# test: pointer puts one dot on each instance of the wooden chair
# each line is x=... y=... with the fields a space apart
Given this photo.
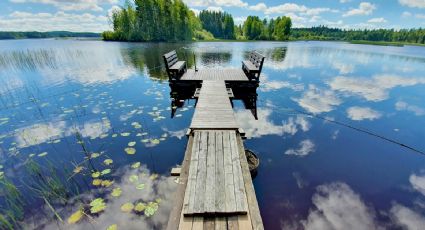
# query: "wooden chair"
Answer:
x=175 y=68
x=253 y=66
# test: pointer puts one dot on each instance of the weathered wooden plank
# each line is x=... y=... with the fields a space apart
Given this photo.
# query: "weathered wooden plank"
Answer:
x=210 y=186
x=201 y=175
x=176 y=212
x=244 y=222
x=220 y=223
x=230 y=204
x=209 y=223
x=219 y=177
x=198 y=223
x=191 y=184
x=232 y=223
x=240 y=195
x=213 y=109
x=186 y=223
x=254 y=211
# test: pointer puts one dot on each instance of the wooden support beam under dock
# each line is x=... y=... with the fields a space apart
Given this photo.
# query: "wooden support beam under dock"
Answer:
x=215 y=188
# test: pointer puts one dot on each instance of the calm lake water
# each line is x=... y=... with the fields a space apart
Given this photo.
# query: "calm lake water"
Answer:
x=340 y=133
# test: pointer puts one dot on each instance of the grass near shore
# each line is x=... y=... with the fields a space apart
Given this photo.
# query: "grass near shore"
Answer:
x=380 y=43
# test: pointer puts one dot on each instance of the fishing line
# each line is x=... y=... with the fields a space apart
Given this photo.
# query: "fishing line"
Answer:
x=362 y=130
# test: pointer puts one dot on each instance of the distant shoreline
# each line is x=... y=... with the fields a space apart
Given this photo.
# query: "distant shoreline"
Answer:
x=14 y=35
x=97 y=37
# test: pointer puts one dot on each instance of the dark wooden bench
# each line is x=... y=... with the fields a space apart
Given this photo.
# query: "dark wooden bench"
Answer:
x=175 y=68
x=252 y=67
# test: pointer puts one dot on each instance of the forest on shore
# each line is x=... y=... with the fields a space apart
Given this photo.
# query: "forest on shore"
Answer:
x=51 y=34
x=172 y=20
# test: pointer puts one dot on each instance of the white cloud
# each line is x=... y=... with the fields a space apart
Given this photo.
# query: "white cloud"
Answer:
x=92 y=129
x=305 y=147
x=361 y=113
x=43 y=132
x=338 y=207
x=74 y=5
x=293 y=8
x=344 y=1
x=375 y=88
x=401 y=105
x=239 y=20
x=215 y=8
x=420 y=16
x=407 y=218
x=343 y=68
x=418 y=182
x=316 y=100
x=207 y=3
x=413 y=3
x=365 y=8
x=377 y=20
x=26 y=21
x=259 y=7
x=406 y=14
x=270 y=85
x=263 y=126
x=286 y=8
x=39 y=133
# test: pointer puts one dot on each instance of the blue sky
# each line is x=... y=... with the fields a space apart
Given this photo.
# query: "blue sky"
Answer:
x=92 y=15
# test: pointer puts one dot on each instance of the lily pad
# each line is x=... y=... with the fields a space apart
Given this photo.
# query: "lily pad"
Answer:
x=133 y=178
x=97 y=182
x=112 y=227
x=94 y=155
x=114 y=135
x=97 y=205
x=130 y=151
x=140 y=186
x=151 y=209
x=75 y=217
x=95 y=174
x=116 y=192
x=132 y=143
x=155 y=141
x=135 y=165
x=105 y=171
x=108 y=161
x=127 y=207
x=139 y=207
x=125 y=134
x=42 y=154
x=107 y=183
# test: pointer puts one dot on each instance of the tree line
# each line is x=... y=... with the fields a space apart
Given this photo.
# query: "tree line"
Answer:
x=52 y=34
x=171 y=20
x=378 y=35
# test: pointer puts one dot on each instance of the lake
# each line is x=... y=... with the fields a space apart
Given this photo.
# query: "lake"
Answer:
x=88 y=141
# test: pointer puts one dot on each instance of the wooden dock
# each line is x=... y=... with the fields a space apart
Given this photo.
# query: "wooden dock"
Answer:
x=215 y=188
x=214 y=75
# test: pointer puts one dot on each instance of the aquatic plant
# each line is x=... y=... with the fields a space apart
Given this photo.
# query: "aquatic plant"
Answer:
x=13 y=209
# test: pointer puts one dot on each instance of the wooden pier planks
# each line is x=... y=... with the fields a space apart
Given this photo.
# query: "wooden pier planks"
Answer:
x=215 y=184
x=213 y=109
x=214 y=75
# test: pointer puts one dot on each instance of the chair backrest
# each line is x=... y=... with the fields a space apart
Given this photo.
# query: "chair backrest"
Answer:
x=256 y=59
x=170 y=59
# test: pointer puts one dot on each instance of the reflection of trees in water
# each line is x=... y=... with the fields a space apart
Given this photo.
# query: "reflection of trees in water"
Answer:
x=277 y=54
x=150 y=57
x=215 y=58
